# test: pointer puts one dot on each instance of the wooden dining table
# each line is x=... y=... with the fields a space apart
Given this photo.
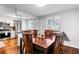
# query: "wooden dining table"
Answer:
x=43 y=44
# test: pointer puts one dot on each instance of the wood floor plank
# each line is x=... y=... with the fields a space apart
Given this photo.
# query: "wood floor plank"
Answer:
x=70 y=50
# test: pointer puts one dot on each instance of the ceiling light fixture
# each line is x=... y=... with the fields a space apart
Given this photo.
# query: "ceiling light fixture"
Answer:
x=40 y=5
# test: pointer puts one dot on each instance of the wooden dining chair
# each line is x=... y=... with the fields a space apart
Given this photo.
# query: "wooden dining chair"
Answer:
x=34 y=33
x=48 y=34
x=58 y=46
x=28 y=43
x=22 y=44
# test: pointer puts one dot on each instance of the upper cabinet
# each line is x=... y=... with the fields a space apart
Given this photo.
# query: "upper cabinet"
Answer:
x=6 y=19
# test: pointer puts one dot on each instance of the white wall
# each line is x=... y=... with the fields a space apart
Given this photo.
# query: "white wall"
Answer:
x=25 y=15
x=69 y=24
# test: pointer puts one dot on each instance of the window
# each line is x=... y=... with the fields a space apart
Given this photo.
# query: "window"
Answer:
x=17 y=25
x=54 y=23
x=30 y=24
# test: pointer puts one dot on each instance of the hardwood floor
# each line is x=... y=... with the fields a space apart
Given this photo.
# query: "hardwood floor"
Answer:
x=10 y=46
x=14 y=50
x=70 y=50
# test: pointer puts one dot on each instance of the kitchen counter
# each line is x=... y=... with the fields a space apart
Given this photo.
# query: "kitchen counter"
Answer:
x=4 y=31
x=8 y=38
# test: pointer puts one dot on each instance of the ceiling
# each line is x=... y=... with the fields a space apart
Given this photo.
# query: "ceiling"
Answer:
x=45 y=10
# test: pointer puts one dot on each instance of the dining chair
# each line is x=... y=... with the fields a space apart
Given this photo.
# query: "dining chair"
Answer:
x=34 y=33
x=48 y=34
x=22 y=44
x=28 y=43
x=58 y=45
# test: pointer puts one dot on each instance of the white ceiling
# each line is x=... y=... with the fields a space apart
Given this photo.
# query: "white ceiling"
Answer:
x=41 y=11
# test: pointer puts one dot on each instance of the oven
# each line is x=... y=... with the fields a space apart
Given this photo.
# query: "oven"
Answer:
x=5 y=34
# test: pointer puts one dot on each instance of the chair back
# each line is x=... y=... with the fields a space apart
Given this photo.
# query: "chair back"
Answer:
x=21 y=45
x=58 y=48
x=48 y=34
x=34 y=33
x=28 y=43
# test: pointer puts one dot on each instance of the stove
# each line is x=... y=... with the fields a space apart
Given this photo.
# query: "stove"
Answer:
x=5 y=34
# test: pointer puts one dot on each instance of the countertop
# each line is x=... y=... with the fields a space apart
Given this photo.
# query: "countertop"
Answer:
x=5 y=31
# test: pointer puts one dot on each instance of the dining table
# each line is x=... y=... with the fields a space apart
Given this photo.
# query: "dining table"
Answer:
x=43 y=44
